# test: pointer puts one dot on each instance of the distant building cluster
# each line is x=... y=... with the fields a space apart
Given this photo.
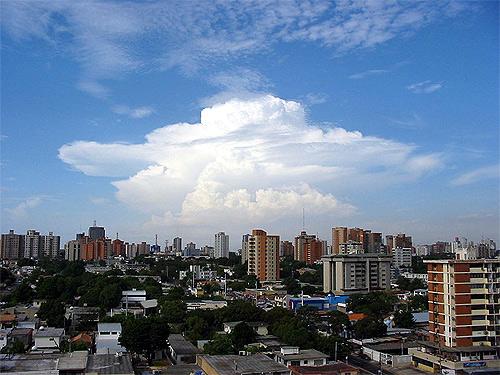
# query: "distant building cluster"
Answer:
x=29 y=245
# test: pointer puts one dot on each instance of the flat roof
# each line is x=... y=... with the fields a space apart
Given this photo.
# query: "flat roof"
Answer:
x=109 y=327
x=235 y=364
x=110 y=364
x=182 y=346
x=49 y=332
x=465 y=261
x=73 y=361
x=459 y=349
x=303 y=354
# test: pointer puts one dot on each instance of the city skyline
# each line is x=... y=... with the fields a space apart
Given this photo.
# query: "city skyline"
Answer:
x=152 y=129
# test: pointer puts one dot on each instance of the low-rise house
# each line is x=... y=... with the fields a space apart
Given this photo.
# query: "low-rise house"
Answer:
x=83 y=339
x=4 y=334
x=256 y=364
x=149 y=306
x=133 y=298
x=293 y=356
x=181 y=350
x=7 y=320
x=106 y=340
x=24 y=335
x=48 y=338
x=205 y=305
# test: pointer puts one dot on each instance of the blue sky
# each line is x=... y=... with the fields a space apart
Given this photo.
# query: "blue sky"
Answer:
x=382 y=115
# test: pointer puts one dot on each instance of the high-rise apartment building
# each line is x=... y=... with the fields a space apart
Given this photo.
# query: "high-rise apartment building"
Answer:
x=287 y=249
x=177 y=245
x=12 y=246
x=263 y=255
x=97 y=233
x=221 y=245
x=464 y=305
x=356 y=273
x=50 y=245
x=401 y=257
x=464 y=317
x=118 y=247
x=398 y=240
x=33 y=242
x=356 y=240
x=97 y=250
x=72 y=250
x=244 y=248
x=308 y=248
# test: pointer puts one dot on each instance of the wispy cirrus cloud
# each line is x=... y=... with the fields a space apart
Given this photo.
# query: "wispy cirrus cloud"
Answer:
x=477 y=175
x=368 y=73
x=137 y=113
x=424 y=87
x=105 y=37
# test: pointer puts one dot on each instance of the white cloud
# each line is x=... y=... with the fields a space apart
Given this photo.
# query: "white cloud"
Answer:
x=424 y=87
x=367 y=73
x=109 y=39
x=248 y=162
x=22 y=209
x=139 y=112
x=314 y=98
x=487 y=172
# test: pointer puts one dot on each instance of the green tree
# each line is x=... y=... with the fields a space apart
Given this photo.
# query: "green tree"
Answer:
x=220 y=345
x=419 y=303
x=241 y=335
x=337 y=322
x=22 y=294
x=404 y=319
x=145 y=336
x=328 y=345
x=15 y=347
x=377 y=304
x=292 y=286
x=175 y=293
x=369 y=327
x=110 y=296
x=197 y=328
x=53 y=312
x=174 y=311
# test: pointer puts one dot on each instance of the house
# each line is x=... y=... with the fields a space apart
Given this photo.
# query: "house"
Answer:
x=7 y=320
x=132 y=298
x=181 y=350
x=149 y=306
x=205 y=305
x=24 y=335
x=82 y=338
x=106 y=341
x=4 y=335
x=338 y=368
x=255 y=364
x=293 y=356
x=355 y=317
x=48 y=338
x=120 y=364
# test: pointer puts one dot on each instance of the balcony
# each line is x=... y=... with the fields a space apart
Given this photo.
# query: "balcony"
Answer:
x=479 y=291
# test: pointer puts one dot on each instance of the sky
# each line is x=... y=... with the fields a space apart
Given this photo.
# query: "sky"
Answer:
x=193 y=117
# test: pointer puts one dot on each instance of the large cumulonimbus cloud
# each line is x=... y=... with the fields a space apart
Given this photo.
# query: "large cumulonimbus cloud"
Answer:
x=248 y=162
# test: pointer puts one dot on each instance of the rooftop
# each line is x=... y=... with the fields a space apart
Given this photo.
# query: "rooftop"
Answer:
x=109 y=327
x=110 y=364
x=331 y=369
x=182 y=346
x=49 y=332
x=302 y=354
x=237 y=365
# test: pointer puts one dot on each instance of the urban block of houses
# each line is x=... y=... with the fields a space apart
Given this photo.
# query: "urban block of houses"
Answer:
x=260 y=328
x=338 y=368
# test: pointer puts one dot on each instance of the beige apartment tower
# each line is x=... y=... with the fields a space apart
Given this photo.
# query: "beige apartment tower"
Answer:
x=356 y=273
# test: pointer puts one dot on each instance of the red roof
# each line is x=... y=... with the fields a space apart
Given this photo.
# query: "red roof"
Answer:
x=354 y=317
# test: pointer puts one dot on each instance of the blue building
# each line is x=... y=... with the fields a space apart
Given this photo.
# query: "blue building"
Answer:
x=329 y=302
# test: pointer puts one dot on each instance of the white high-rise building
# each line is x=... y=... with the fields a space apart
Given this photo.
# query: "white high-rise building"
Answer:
x=50 y=245
x=221 y=246
x=32 y=244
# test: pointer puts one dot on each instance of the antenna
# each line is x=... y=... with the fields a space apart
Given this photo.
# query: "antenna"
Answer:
x=303 y=219
x=156 y=240
x=95 y=223
x=116 y=235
